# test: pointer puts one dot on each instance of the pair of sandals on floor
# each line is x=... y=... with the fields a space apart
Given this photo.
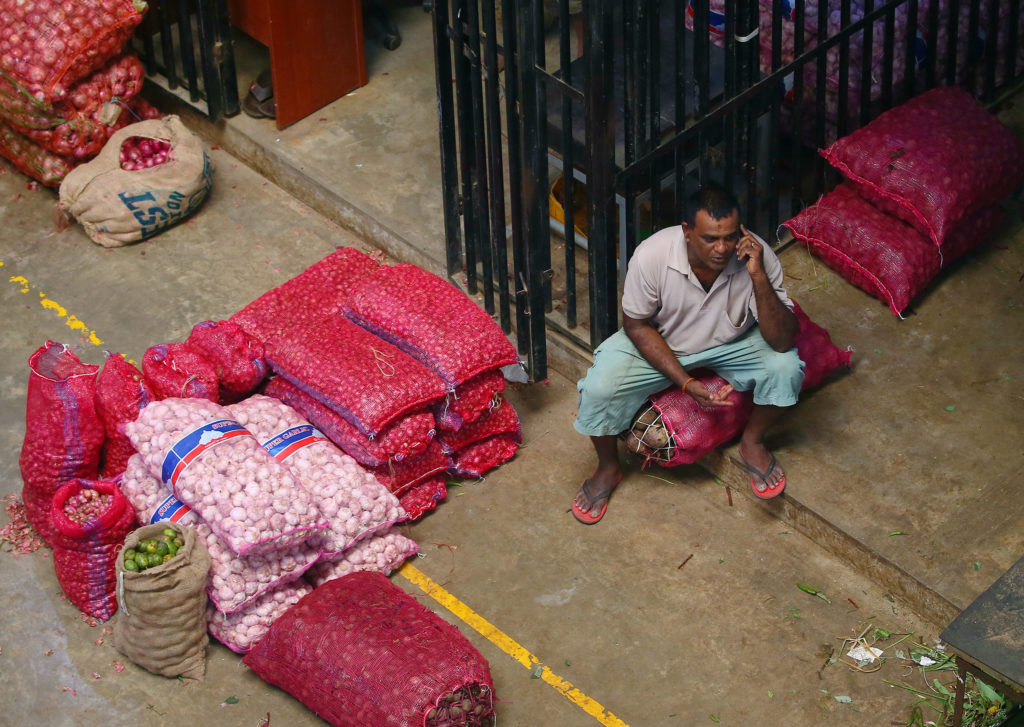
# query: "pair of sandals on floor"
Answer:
x=757 y=478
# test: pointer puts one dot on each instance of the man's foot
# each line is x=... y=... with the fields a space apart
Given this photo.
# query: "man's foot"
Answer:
x=767 y=478
x=592 y=500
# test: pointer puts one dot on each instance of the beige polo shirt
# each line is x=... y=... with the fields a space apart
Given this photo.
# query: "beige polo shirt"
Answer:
x=661 y=286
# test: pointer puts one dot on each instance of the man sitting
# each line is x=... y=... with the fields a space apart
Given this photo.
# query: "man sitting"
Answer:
x=707 y=293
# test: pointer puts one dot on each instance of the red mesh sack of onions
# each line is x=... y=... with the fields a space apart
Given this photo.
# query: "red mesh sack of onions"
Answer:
x=312 y=295
x=82 y=139
x=348 y=497
x=500 y=418
x=399 y=476
x=480 y=457
x=381 y=553
x=234 y=580
x=63 y=431
x=121 y=393
x=48 y=45
x=165 y=176
x=401 y=304
x=31 y=159
x=916 y=156
x=469 y=400
x=215 y=466
x=407 y=436
x=814 y=345
x=176 y=370
x=237 y=357
x=879 y=253
x=424 y=496
x=361 y=651
x=91 y=520
x=362 y=377
x=242 y=629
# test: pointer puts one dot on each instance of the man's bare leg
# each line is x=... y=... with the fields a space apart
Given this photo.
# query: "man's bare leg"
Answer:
x=752 y=447
x=607 y=475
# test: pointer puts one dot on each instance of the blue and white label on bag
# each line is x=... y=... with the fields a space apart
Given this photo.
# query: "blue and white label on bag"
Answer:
x=170 y=510
x=192 y=446
x=284 y=445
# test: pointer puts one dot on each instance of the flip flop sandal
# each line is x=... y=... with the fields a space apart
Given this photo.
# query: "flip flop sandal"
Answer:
x=584 y=516
x=260 y=103
x=768 y=492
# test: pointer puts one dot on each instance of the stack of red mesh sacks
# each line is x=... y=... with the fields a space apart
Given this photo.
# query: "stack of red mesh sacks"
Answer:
x=924 y=183
x=379 y=390
x=67 y=82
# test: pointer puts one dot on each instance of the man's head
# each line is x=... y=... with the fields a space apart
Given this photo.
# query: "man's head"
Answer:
x=713 y=228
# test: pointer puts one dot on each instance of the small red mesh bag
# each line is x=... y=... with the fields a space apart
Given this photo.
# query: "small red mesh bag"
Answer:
x=937 y=159
x=469 y=400
x=501 y=418
x=31 y=159
x=360 y=651
x=317 y=292
x=814 y=345
x=121 y=393
x=237 y=357
x=362 y=377
x=400 y=476
x=63 y=431
x=423 y=497
x=87 y=538
x=875 y=252
x=407 y=436
x=480 y=457
x=177 y=371
x=402 y=304
x=51 y=44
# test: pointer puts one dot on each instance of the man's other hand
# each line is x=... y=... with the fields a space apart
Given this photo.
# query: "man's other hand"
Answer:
x=705 y=397
x=749 y=250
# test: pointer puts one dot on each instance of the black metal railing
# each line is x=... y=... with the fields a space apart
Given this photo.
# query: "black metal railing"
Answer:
x=666 y=94
x=188 y=42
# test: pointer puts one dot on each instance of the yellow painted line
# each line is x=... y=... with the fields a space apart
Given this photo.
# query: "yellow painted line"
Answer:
x=507 y=644
x=70 y=321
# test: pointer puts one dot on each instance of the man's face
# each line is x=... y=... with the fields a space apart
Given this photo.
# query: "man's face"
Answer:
x=712 y=243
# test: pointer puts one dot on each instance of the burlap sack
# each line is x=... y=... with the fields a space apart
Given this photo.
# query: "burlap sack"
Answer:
x=117 y=207
x=162 y=621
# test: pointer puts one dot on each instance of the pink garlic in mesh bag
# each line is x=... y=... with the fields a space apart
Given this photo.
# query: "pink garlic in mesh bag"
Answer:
x=235 y=580
x=215 y=466
x=405 y=437
x=362 y=377
x=382 y=553
x=176 y=370
x=401 y=304
x=241 y=630
x=317 y=292
x=237 y=357
x=121 y=393
x=351 y=500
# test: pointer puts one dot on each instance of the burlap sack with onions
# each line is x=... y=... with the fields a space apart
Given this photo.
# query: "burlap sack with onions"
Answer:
x=161 y=622
x=118 y=207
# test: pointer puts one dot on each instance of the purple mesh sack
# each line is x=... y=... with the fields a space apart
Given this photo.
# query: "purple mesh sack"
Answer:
x=935 y=160
x=63 y=432
x=314 y=294
x=400 y=476
x=362 y=377
x=402 y=304
x=407 y=436
x=121 y=393
x=500 y=418
x=469 y=400
x=879 y=253
x=237 y=357
x=176 y=370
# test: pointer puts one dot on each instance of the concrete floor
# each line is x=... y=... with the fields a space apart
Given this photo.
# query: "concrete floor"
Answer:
x=726 y=638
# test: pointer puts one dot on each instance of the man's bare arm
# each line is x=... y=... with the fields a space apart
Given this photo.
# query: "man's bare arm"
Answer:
x=652 y=346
